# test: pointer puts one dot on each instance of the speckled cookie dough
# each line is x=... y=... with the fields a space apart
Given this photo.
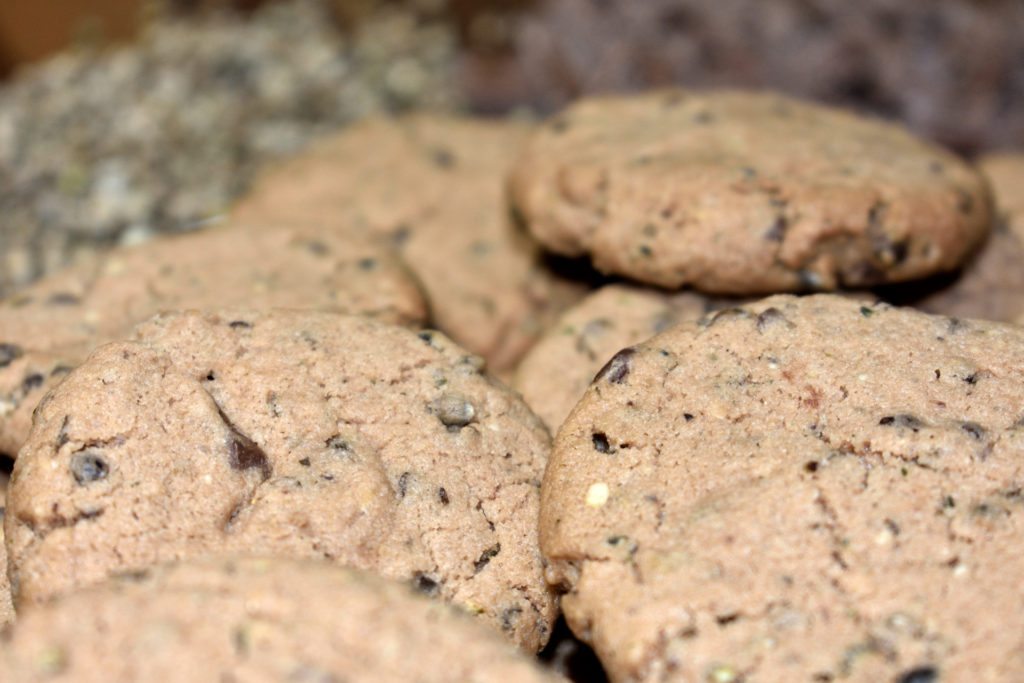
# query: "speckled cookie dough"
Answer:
x=556 y=372
x=255 y=619
x=744 y=193
x=6 y=608
x=800 y=489
x=289 y=433
x=434 y=185
x=991 y=284
x=49 y=328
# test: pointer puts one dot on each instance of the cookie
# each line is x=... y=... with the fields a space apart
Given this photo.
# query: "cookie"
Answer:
x=556 y=372
x=288 y=433
x=434 y=185
x=255 y=619
x=745 y=193
x=50 y=327
x=991 y=283
x=6 y=607
x=797 y=489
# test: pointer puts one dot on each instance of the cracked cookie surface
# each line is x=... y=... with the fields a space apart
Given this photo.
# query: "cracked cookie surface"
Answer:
x=289 y=433
x=50 y=327
x=797 y=489
x=255 y=619
x=556 y=372
x=433 y=185
x=745 y=193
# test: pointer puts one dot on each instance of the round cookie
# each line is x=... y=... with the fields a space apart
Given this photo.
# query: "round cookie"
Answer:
x=51 y=326
x=435 y=185
x=991 y=283
x=556 y=372
x=255 y=619
x=744 y=193
x=289 y=433
x=797 y=489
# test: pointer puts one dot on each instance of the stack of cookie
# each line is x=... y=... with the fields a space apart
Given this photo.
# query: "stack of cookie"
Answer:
x=732 y=479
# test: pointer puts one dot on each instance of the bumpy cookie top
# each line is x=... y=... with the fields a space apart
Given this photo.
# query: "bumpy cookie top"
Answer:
x=435 y=185
x=50 y=327
x=255 y=619
x=742 y=193
x=556 y=372
x=288 y=433
x=797 y=489
x=991 y=284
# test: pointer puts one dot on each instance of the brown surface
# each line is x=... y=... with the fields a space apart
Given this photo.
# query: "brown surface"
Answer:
x=435 y=186
x=802 y=489
x=742 y=193
x=51 y=326
x=289 y=433
x=255 y=620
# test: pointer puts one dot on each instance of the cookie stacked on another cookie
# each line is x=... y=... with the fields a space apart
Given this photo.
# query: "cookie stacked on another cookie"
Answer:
x=259 y=619
x=746 y=193
x=290 y=433
x=797 y=489
x=50 y=327
x=435 y=186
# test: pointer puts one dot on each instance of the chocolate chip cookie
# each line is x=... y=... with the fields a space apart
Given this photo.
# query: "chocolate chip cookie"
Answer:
x=797 y=489
x=434 y=185
x=745 y=193
x=50 y=327
x=556 y=372
x=255 y=619
x=289 y=433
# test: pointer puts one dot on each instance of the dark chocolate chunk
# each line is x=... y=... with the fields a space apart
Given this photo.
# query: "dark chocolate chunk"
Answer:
x=425 y=583
x=617 y=369
x=921 y=674
x=403 y=484
x=9 y=353
x=902 y=420
x=479 y=565
x=443 y=495
x=88 y=467
x=239 y=324
x=304 y=462
x=337 y=443
x=811 y=466
x=687 y=416
x=32 y=381
x=974 y=429
x=866 y=312
x=243 y=453
x=771 y=316
x=601 y=444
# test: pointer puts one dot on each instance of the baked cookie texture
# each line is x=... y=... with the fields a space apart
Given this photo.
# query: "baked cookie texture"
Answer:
x=991 y=283
x=289 y=433
x=50 y=327
x=556 y=372
x=255 y=619
x=434 y=185
x=797 y=489
x=745 y=193
x=6 y=606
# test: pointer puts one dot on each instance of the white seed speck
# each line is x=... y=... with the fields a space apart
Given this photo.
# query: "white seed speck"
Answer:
x=597 y=494
x=862 y=378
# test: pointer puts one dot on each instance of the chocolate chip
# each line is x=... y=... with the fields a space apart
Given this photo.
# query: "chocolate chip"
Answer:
x=243 y=453
x=304 y=462
x=453 y=410
x=974 y=429
x=811 y=466
x=771 y=316
x=9 y=353
x=921 y=674
x=601 y=444
x=687 y=416
x=61 y=370
x=956 y=325
x=777 y=230
x=424 y=583
x=617 y=369
x=63 y=299
x=442 y=157
x=508 y=617
x=88 y=467
x=485 y=558
x=403 y=484
x=866 y=312
x=238 y=324
x=338 y=443
x=210 y=376
x=33 y=381
x=443 y=495
x=902 y=420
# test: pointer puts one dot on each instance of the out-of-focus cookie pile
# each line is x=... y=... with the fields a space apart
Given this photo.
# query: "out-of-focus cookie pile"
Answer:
x=729 y=383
